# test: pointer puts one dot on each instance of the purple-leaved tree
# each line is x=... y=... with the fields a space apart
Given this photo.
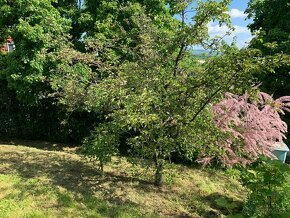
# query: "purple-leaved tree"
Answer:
x=254 y=124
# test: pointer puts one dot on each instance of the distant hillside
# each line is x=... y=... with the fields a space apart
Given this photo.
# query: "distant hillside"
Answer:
x=200 y=52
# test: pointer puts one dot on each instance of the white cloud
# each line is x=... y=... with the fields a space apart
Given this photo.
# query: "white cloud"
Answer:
x=236 y=13
x=243 y=34
x=217 y=30
x=241 y=29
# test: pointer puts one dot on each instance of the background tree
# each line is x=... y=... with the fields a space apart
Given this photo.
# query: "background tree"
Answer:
x=271 y=29
x=27 y=69
x=71 y=41
x=40 y=29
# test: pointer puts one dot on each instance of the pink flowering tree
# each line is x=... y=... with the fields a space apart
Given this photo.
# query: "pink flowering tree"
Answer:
x=253 y=125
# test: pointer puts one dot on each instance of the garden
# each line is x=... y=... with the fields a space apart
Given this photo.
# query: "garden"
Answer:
x=112 y=109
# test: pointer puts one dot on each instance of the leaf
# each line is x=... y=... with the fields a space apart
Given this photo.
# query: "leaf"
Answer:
x=222 y=202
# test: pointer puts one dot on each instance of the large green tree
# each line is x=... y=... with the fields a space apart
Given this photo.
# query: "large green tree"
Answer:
x=271 y=30
x=53 y=37
x=39 y=31
x=163 y=96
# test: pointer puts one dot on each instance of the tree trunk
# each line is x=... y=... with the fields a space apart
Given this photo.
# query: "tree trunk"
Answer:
x=102 y=169
x=159 y=171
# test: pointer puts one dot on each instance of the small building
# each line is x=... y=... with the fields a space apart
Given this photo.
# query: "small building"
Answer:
x=280 y=150
x=8 y=46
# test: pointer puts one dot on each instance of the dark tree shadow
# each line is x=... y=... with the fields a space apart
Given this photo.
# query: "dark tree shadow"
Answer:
x=83 y=178
x=211 y=201
x=288 y=159
x=73 y=174
x=47 y=146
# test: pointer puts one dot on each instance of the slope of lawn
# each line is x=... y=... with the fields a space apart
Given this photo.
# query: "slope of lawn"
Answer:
x=40 y=179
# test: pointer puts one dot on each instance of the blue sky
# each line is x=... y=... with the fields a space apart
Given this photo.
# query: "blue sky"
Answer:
x=238 y=17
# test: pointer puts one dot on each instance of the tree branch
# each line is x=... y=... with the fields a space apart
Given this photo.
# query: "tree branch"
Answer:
x=210 y=98
x=182 y=46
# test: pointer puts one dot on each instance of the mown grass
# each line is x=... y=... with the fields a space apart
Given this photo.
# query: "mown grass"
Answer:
x=47 y=180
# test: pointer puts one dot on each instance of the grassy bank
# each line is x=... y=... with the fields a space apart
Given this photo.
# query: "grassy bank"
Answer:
x=48 y=180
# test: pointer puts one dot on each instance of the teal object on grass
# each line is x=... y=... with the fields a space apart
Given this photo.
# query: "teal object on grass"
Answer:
x=280 y=151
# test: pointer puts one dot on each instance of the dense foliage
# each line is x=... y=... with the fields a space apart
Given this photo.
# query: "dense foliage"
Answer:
x=268 y=184
x=271 y=29
x=270 y=24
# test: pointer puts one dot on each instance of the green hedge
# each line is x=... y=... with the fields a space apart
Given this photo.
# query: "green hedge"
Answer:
x=44 y=121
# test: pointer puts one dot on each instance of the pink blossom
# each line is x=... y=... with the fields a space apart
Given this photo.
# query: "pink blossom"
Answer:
x=255 y=122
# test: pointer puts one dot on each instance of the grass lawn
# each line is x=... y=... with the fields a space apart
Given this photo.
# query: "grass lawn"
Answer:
x=39 y=179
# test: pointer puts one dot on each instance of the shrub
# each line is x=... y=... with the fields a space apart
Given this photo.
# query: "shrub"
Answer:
x=101 y=145
x=253 y=124
x=269 y=189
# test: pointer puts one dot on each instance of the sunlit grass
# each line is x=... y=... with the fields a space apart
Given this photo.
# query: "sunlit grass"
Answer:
x=45 y=183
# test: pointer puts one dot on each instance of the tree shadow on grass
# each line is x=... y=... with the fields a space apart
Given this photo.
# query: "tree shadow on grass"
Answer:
x=218 y=210
x=63 y=170
x=43 y=145
x=75 y=175
x=66 y=204
x=84 y=179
